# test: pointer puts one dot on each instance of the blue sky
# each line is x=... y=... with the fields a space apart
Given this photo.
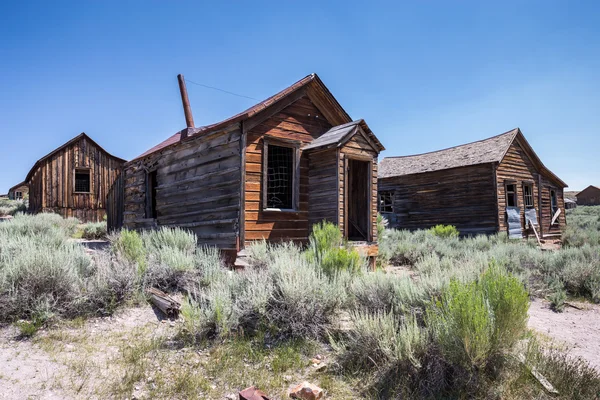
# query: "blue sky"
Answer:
x=425 y=75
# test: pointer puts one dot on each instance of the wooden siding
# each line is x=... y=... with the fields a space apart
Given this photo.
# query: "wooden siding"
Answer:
x=301 y=122
x=517 y=167
x=589 y=196
x=323 y=196
x=464 y=197
x=358 y=148
x=198 y=188
x=24 y=189
x=52 y=187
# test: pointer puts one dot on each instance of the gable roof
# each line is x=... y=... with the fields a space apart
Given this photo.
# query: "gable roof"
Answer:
x=18 y=185
x=311 y=83
x=338 y=135
x=491 y=150
x=77 y=138
x=588 y=188
x=480 y=152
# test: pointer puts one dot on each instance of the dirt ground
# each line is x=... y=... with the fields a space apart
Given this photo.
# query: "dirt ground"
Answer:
x=84 y=360
x=578 y=330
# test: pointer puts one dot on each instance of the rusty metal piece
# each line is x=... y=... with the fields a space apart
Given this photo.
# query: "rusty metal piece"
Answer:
x=252 y=393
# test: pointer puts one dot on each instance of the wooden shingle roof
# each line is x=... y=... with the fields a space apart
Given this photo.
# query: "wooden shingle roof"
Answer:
x=340 y=133
x=483 y=151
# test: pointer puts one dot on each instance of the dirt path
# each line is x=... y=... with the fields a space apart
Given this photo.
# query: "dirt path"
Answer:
x=579 y=330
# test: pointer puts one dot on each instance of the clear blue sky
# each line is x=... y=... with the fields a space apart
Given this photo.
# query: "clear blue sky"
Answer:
x=424 y=74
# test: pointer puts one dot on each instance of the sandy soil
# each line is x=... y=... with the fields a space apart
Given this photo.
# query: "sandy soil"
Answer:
x=578 y=330
x=56 y=363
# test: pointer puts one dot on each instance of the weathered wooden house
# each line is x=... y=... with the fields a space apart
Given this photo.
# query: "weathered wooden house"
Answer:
x=480 y=187
x=590 y=196
x=269 y=172
x=18 y=192
x=73 y=180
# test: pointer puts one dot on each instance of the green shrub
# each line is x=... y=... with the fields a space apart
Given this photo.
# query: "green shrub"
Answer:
x=12 y=207
x=129 y=245
x=327 y=250
x=557 y=300
x=94 y=230
x=380 y=340
x=324 y=237
x=444 y=231
x=474 y=322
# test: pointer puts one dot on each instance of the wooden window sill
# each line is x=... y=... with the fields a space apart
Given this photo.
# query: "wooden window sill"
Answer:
x=280 y=210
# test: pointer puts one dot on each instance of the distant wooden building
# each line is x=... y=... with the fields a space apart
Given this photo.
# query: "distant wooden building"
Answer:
x=18 y=192
x=590 y=196
x=73 y=180
x=478 y=187
x=569 y=204
x=270 y=172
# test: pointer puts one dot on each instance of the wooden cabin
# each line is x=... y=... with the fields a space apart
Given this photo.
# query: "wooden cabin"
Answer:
x=488 y=186
x=73 y=180
x=590 y=196
x=19 y=192
x=270 y=173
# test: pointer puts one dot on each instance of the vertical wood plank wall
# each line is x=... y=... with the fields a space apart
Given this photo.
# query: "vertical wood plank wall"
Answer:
x=52 y=184
x=198 y=188
x=518 y=167
x=303 y=122
x=464 y=197
x=323 y=197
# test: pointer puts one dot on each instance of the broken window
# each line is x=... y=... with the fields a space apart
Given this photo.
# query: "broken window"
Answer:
x=386 y=201
x=511 y=195
x=151 y=184
x=82 y=181
x=280 y=177
x=528 y=195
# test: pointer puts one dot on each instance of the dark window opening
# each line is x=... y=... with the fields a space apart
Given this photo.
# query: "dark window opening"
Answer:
x=528 y=195
x=511 y=195
x=18 y=195
x=386 y=202
x=82 y=181
x=151 y=184
x=280 y=177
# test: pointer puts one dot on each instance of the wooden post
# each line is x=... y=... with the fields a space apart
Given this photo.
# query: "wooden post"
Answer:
x=187 y=110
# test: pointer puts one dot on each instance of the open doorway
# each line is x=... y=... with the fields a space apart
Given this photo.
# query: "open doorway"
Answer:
x=358 y=206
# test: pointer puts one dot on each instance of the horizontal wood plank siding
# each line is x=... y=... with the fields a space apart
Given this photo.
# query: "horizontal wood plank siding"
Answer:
x=464 y=197
x=301 y=122
x=198 y=188
x=517 y=167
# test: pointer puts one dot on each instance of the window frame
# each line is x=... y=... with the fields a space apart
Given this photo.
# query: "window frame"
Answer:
x=380 y=203
x=528 y=185
x=18 y=195
x=295 y=146
x=80 y=170
x=554 y=207
x=515 y=194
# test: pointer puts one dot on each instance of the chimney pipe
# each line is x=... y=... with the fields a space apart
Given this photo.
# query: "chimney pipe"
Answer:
x=189 y=119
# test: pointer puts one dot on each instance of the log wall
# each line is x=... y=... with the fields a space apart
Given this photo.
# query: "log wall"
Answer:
x=464 y=197
x=198 y=188
x=52 y=187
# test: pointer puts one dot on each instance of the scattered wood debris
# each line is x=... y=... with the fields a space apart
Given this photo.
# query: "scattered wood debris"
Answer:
x=165 y=303
x=540 y=378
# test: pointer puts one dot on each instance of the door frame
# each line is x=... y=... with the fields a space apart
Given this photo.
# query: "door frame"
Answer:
x=368 y=160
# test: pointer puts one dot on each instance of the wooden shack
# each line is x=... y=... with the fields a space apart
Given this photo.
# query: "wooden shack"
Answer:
x=590 y=196
x=476 y=187
x=73 y=180
x=19 y=192
x=270 y=173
